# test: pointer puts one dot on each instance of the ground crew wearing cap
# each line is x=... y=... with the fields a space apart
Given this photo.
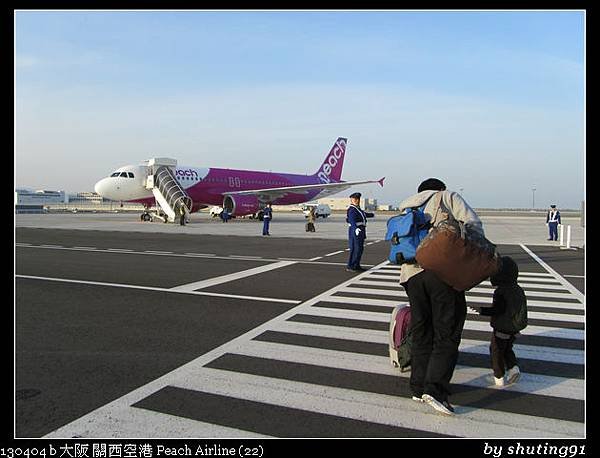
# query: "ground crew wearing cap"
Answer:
x=356 y=218
x=553 y=220
x=267 y=215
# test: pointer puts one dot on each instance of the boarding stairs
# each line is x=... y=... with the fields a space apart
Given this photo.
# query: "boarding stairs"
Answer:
x=169 y=194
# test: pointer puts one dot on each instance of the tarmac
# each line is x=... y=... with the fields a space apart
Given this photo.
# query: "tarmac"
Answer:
x=130 y=329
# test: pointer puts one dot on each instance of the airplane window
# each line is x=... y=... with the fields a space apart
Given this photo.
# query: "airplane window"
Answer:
x=116 y=174
x=130 y=175
x=124 y=174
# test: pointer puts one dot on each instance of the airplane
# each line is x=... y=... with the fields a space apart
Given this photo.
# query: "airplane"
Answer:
x=239 y=192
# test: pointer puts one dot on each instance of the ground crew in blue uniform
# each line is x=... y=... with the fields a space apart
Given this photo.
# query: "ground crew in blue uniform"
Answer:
x=267 y=215
x=553 y=220
x=356 y=218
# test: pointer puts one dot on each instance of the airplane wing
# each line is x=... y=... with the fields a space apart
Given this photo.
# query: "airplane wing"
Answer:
x=270 y=194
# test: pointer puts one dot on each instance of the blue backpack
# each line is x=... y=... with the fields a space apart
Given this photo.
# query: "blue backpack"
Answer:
x=405 y=233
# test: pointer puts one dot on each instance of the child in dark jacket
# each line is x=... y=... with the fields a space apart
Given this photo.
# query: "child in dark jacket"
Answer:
x=508 y=317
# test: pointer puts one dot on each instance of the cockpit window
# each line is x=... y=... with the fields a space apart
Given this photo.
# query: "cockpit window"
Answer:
x=130 y=174
x=116 y=174
x=124 y=174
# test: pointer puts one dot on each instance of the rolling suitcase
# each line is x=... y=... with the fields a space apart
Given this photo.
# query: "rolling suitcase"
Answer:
x=400 y=338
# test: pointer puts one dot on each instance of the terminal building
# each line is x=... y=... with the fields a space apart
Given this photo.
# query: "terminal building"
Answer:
x=29 y=201
x=342 y=203
x=41 y=197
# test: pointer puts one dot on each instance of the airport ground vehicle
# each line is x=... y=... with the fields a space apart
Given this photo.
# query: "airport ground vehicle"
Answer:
x=215 y=211
x=322 y=210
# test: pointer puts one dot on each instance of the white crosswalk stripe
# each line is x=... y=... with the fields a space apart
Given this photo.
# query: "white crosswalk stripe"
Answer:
x=327 y=357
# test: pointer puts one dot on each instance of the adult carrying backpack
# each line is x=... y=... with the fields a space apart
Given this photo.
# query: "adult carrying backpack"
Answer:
x=400 y=339
x=405 y=232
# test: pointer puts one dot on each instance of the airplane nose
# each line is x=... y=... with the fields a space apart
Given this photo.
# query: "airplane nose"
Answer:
x=100 y=187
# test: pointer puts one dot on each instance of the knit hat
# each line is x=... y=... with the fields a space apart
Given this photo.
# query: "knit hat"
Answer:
x=431 y=184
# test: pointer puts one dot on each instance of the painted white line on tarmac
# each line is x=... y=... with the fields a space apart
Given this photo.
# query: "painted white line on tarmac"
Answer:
x=164 y=290
x=465 y=375
x=374 y=407
x=472 y=325
x=142 y=423
x=484 y=291
x=578 y=294
x=334 y=253
x=188 y=255
x=231 y=277
x=551 y=286
x=538 y=352
x=470 y=299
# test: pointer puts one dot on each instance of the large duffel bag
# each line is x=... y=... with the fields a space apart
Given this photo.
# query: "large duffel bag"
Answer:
x=458 y=255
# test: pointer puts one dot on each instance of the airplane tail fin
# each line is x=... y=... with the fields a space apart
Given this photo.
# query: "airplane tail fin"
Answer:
x=331 y=168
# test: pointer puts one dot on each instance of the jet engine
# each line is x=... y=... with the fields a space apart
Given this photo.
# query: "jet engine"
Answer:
x=241 y=205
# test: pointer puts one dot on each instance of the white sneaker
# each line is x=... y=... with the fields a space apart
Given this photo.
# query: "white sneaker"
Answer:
x=442 y=407
x=499 y=382
x=513 y=375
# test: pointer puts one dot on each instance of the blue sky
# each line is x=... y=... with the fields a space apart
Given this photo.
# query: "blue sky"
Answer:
x=490 y=102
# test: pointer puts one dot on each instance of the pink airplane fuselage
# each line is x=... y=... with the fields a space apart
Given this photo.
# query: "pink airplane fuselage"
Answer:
x=241 y=191
x=207 y=186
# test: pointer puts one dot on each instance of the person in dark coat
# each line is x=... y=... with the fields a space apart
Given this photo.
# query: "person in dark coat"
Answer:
x=509 y=300
x=356 y=218
x=553 y=220
x=267 y=215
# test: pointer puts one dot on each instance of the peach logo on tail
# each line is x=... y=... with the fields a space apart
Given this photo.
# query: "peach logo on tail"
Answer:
x=331 y=161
